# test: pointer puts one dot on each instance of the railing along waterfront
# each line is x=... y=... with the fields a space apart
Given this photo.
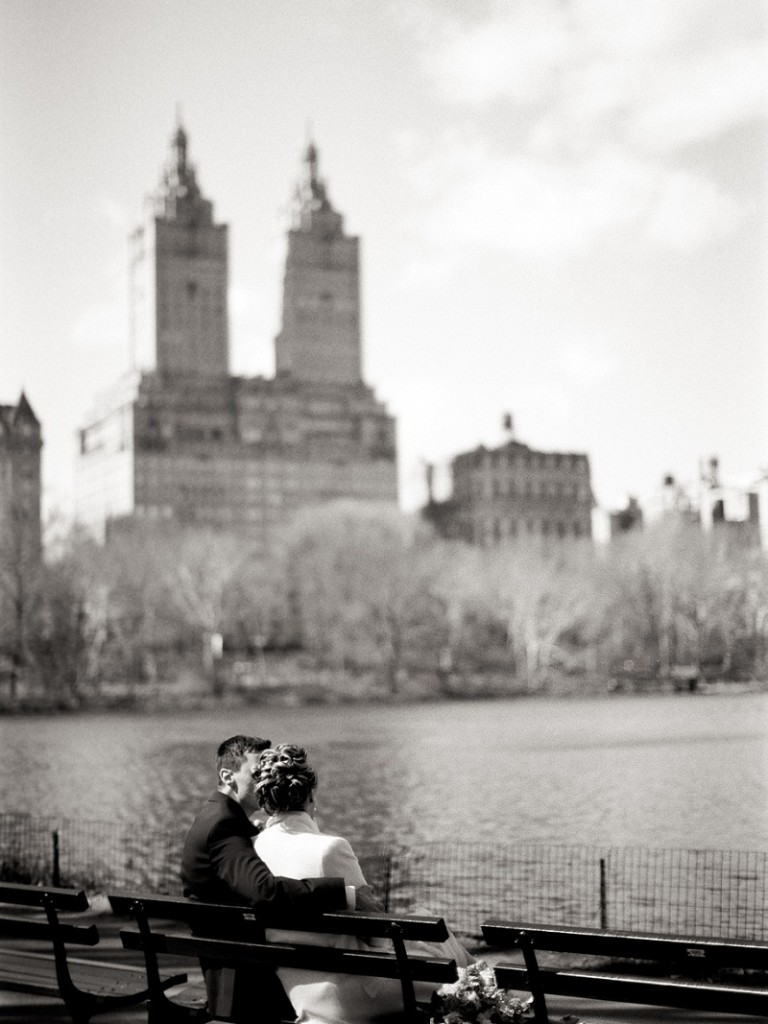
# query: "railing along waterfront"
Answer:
x=703 y=892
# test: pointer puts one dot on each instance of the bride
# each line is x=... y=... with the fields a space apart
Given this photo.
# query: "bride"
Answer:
x=292 y=845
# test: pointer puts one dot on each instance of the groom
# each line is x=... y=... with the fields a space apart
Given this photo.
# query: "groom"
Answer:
x=219 y=865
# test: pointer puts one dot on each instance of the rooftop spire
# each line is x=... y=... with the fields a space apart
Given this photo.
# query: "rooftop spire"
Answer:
x=312 y=204
x=312 y=186
x=179 y=146
x=179 y=196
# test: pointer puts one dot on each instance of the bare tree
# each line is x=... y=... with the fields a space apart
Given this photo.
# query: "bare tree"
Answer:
x=363 y=582
x=206 y=574
x=20 y=565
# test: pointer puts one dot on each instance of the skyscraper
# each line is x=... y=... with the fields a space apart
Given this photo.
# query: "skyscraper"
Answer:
x=320 y=338
x=179 y=439
x=179 y=278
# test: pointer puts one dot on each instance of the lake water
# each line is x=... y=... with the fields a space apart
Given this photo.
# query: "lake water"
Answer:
x=661 y=771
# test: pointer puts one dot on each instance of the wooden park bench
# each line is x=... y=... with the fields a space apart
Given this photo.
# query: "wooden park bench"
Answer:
x=685 y=967
x=86 y=986
x=165 y=925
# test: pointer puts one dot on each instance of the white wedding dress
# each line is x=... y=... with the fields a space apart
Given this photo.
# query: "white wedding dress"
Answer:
x=293 y=846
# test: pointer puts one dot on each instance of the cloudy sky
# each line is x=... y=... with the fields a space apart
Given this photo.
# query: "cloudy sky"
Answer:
x=562 y=206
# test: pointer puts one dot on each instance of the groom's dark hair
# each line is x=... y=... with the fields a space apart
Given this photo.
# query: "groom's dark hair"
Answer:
x=231 y=752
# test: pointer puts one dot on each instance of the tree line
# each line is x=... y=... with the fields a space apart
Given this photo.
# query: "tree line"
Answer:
x=358 y=589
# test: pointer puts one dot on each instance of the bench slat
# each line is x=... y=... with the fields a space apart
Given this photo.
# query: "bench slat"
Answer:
x=632 y=945
x=172 y=908
x=425 y=929
x=318 y=958
x=32 y=896
x=637 y=989
x=222 y=916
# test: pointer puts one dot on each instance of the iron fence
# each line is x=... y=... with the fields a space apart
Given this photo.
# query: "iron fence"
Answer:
x=696 y=892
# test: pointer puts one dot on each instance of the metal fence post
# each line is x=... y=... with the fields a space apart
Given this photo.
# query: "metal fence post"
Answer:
x=388 y=879
x=603 y=895
x=56 y=872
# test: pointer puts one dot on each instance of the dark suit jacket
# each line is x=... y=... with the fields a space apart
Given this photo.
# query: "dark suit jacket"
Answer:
x=219 y=865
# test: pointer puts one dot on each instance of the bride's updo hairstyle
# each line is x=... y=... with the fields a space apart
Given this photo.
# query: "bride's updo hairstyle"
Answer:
x=284 y=782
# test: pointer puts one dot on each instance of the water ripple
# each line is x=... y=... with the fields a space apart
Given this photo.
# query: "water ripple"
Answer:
x=656 y=771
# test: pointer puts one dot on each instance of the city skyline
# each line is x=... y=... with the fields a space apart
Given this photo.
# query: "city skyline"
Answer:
x=561 y=210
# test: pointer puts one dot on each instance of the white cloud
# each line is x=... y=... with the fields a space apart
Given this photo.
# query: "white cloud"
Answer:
x=688 y=66
x=600 y=97
x=549 y=209
x=689 y=211
x=704 y=97
x=511 y=55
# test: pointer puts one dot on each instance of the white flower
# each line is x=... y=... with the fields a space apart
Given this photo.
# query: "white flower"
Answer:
x=476 y=999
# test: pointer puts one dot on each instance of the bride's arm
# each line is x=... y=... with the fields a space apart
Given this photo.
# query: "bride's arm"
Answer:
x=339 y=859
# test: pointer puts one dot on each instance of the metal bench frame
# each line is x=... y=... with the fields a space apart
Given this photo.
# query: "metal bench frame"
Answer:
x=45 y=974
x=151 y=914
x=676 y=952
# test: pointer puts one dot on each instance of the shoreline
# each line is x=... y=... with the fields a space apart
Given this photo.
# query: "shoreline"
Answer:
x=161 y=699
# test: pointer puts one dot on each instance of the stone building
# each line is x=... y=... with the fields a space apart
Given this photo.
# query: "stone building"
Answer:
x=626 y=520
x=514 y=493
x=179 y=439
x=728 y=508
x=20 y=449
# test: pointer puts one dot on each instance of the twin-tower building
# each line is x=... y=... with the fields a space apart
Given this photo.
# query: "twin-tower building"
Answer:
x=179 y=439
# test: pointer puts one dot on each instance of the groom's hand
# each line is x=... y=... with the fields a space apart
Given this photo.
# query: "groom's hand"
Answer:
x=366 y=901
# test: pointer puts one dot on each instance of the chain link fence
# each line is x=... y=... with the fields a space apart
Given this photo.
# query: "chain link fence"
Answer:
x=697 y=892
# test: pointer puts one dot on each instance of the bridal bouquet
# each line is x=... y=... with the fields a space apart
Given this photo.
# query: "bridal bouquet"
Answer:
x=476 y=999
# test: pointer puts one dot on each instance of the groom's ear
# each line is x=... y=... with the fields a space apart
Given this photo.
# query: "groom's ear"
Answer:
x=225 y=776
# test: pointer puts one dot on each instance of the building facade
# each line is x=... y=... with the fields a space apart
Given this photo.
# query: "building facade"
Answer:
x=20 y=488
x=181 y=440
x=514 y=493
x=728 y=508
x=179 y=273
x=625 y=520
